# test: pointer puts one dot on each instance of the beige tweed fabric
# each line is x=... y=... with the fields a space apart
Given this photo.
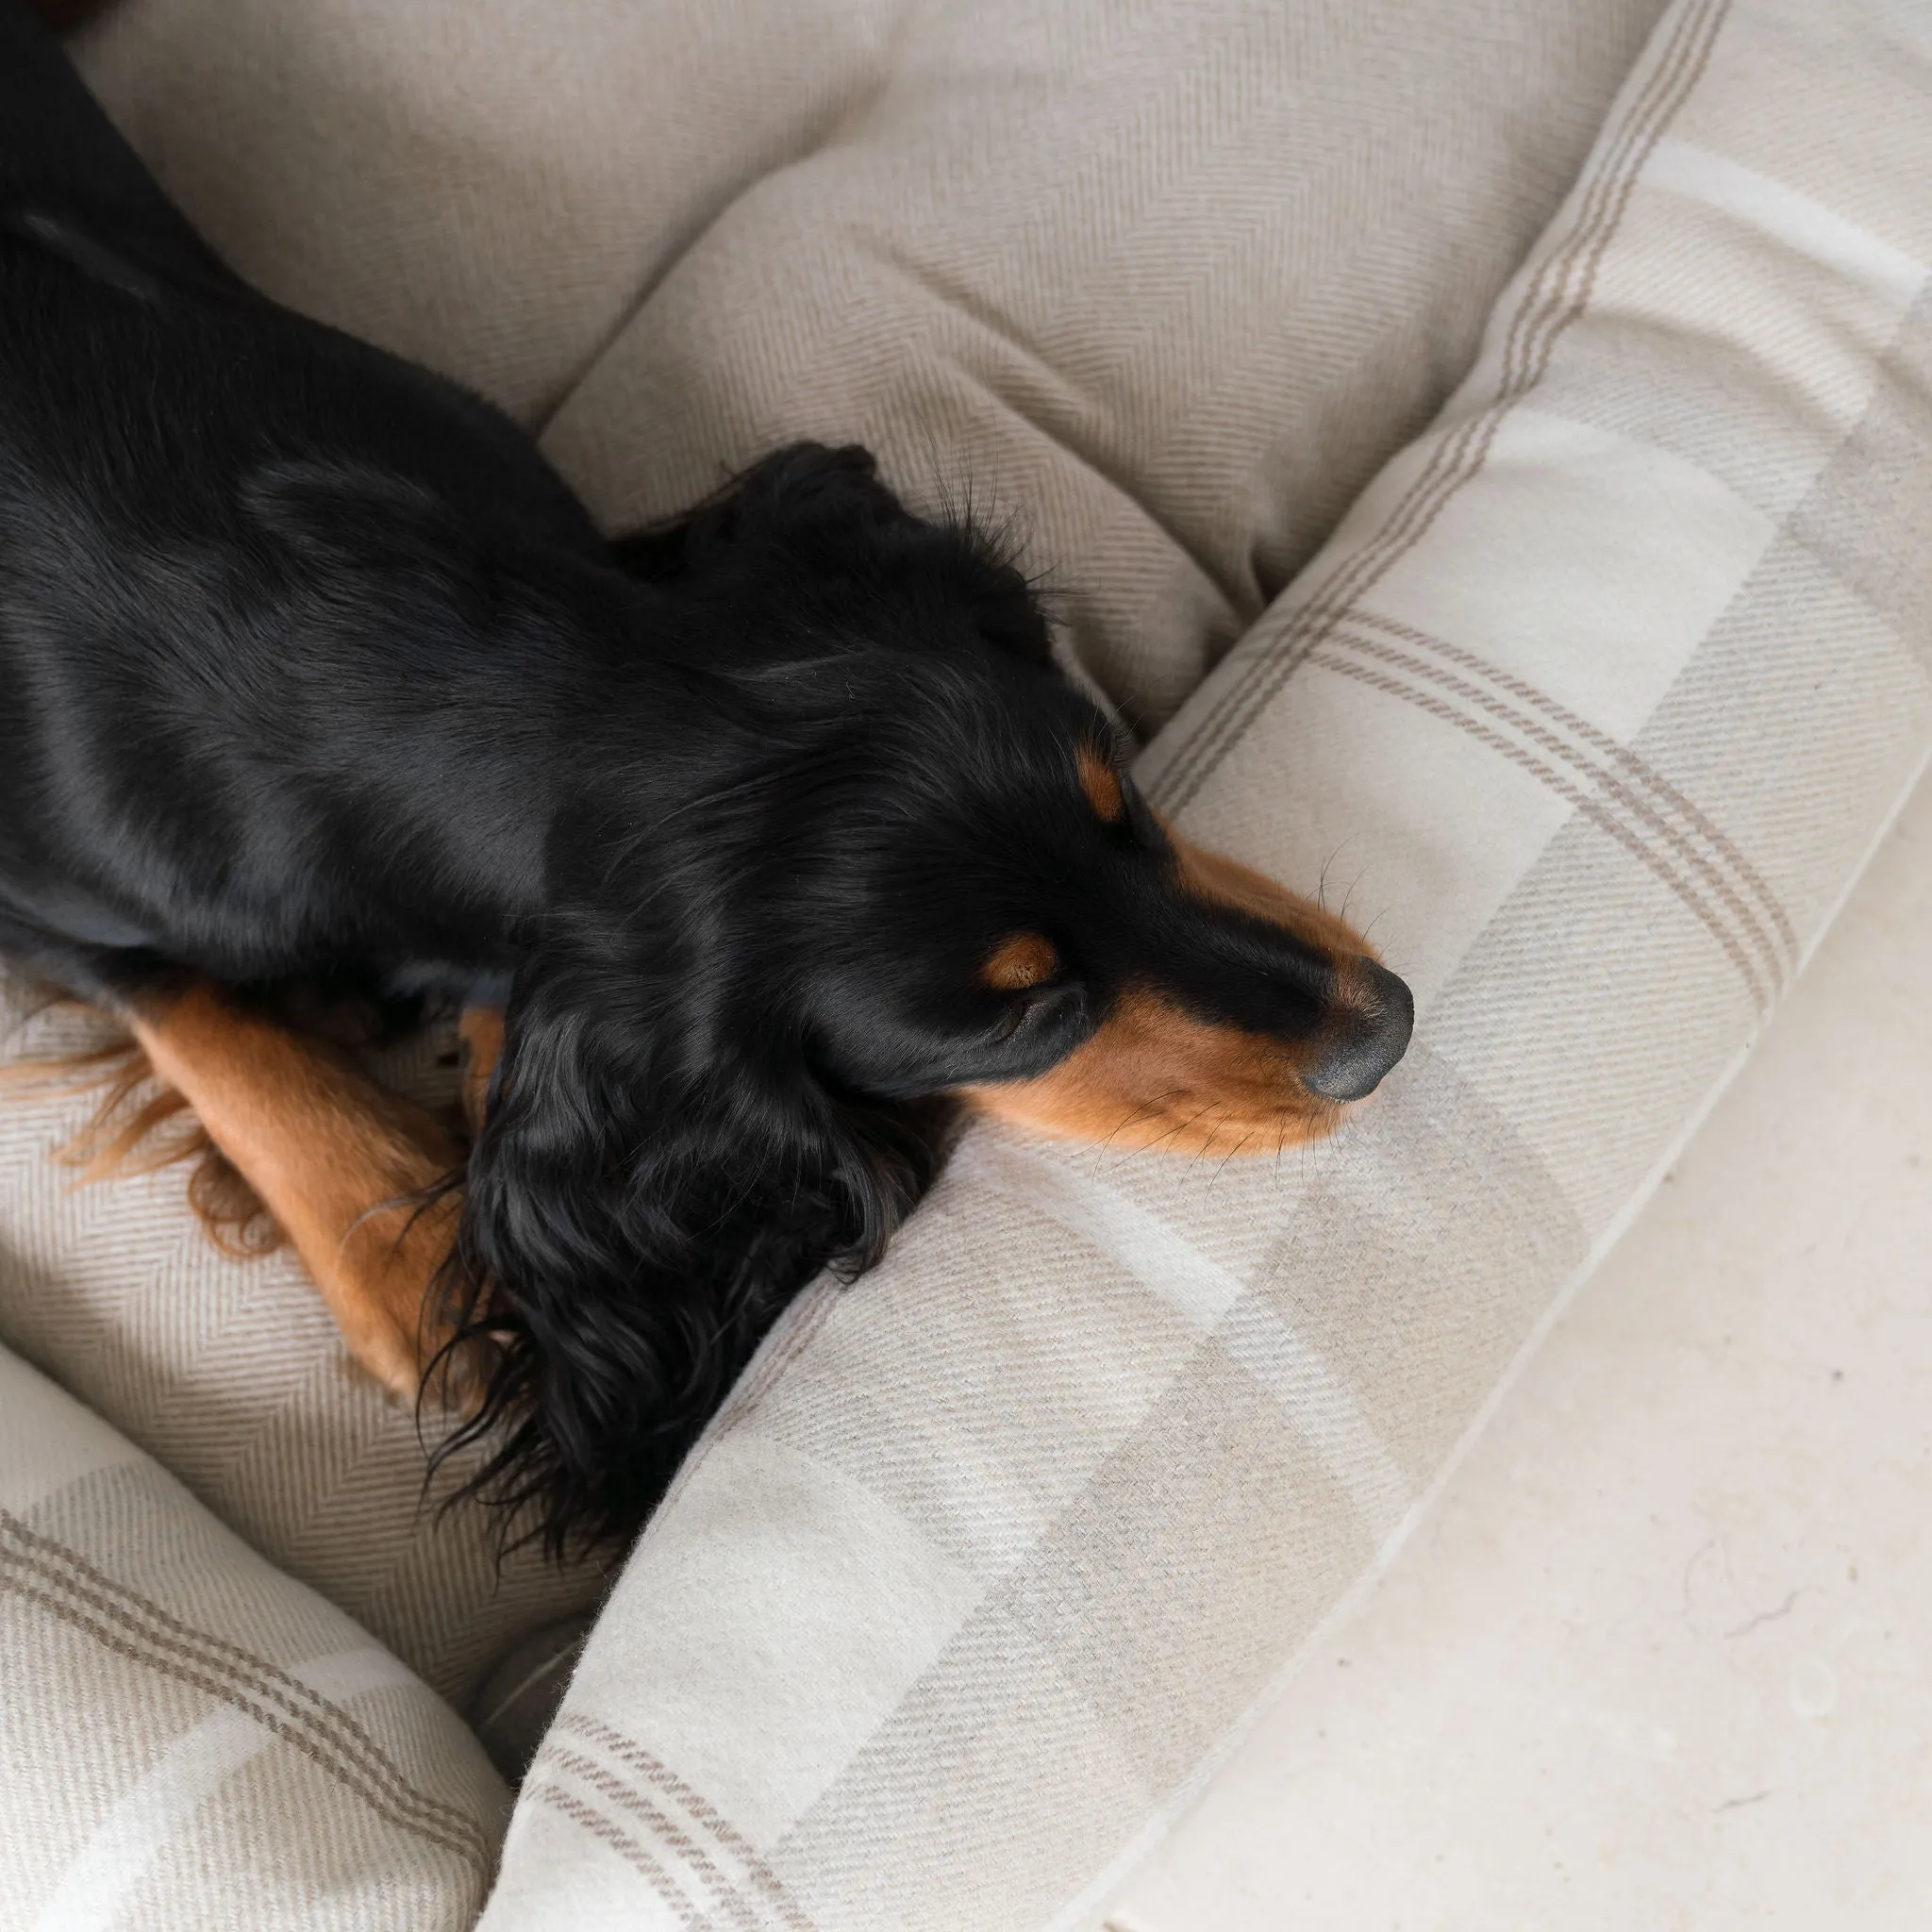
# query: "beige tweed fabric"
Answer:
x=1593 y=708
x=1254 y=245
x=188 y=1738
x=1166 y=279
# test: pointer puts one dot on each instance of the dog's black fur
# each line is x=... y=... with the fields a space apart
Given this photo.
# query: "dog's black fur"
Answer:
x=310 y=665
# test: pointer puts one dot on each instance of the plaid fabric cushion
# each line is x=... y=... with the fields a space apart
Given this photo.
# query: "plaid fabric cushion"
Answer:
x=1592 y=709
x=188 y=1738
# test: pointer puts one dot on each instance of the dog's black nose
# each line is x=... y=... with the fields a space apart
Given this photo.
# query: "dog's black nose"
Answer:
x=1370 y=1040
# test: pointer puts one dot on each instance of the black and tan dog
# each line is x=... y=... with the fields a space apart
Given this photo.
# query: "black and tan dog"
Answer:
x=747 y=840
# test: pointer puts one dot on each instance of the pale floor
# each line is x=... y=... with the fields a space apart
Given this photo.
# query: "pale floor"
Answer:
x=1661 y=1657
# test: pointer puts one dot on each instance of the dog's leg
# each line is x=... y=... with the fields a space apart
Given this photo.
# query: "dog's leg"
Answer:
x=341 y=1163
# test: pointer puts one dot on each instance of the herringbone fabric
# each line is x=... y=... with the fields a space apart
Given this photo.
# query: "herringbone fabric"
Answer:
x=189 y=1738
x=1165 y=279
x=1593 y=708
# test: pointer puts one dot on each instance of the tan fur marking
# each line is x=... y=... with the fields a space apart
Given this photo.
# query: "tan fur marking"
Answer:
x=480 y=1029
x=1025 y=960
x=1156 y=1076
x=334 y=1157
x=140 y=1127
x=1209 y=876
x=1101 y=784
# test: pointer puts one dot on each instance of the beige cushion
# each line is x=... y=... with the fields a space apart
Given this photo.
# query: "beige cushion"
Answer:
x=1168 y=284
x=188 y=1739
x=1591 y=710
x=489 y=187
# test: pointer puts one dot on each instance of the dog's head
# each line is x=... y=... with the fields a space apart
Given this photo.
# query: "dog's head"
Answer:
x=908 y=867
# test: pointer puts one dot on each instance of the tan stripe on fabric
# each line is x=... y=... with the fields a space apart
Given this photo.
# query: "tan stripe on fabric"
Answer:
x=1547 y=310
x=694 y=1803
x=1622 y=755
x=1574 y=795
x=301 y=1739
x=1458 y=456
x=301 y=1703
x=555 y=1757
x=1642 y=818
x=69 y=1587
x=620 y=1841
x=1545 y=313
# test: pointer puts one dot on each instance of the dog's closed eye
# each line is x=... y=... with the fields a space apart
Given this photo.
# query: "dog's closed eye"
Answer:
x=1025 y=960
x=1026 y=967
x=1034 y=1009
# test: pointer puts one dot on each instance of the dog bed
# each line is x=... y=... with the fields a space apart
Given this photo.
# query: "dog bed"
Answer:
x=1594 y=704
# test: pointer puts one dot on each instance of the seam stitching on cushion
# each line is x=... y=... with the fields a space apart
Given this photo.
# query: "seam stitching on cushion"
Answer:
x=1073 y=438
x=1541 y=299
x=827 y=134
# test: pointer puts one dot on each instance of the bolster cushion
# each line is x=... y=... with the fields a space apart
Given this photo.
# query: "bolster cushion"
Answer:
x=188 y=1738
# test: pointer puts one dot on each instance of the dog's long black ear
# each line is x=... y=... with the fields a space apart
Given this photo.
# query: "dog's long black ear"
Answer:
x=957 y=563
x=803 y=485
x=639 y=1209
x=808 y=483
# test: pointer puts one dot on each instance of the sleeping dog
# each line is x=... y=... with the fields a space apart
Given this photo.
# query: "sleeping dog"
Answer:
x=753 y=844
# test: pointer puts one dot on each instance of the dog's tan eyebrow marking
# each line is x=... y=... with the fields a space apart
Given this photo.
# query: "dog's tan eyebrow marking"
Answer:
x=1102 y=785
x=1028 y=958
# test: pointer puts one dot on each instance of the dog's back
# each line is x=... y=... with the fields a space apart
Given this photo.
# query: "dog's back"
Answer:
x=245 y=564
